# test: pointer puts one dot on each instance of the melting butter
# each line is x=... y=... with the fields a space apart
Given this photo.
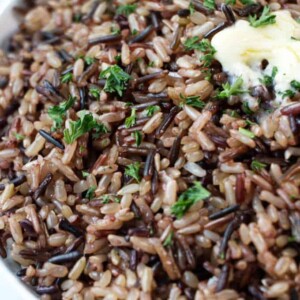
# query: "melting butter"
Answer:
x=241 y=49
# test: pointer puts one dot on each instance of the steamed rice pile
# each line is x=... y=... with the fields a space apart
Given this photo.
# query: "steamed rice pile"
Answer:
x=125 y=176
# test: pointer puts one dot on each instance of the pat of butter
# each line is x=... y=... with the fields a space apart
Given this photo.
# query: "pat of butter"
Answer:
x=241 y=49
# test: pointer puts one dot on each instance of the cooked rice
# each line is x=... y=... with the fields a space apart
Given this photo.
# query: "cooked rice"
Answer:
x=81 y=226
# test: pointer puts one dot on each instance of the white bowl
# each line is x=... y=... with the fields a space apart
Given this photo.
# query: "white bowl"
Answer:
x=11 y=288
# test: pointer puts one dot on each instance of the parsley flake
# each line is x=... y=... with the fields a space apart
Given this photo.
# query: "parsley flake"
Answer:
x=188 y=198
x=18 y=136
x=85 y=174
x=257 y=165
x=58 y=112
x=150 y=110
x=210 y=4
x=267 y=80
x=133 y=170
x=169 y=240
x=231 y=90
x=116 y=79
x=138 y=137
x=287 y=93
x=79 y=127
x=66 y=78
x=204 y=46
x=295 y=84
x=89 y=60
x=90 y=193
x=126 y=9
x=195 y=101
x=95 y=92
x=247 y=133
x=131 y=121
x=266 y=18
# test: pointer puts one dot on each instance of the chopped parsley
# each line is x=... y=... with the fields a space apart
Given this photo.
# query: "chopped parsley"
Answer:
x=169 y=240
x=66 y=78
x=89 y=60
x=95 y=92
x=257 y=165
x=138 y=137
x=150 y=110
x=194 y=101
x=85 y=174
x=151 y=64
x=133 y=171
x=126 y=9
x=81 y=126
x=58 y=112
x=230 y=2
x=287 y=93
x=118 y=58
x=210 y=4
x=115 y=30
x=231 y=90
x=116 y=79
x=266 y=18
x=247 y=2
x=134 y=32
x=295 y=84
x=267 y=80
x=191 y=8
x=188 y=198
x=18 y=136
x=131 y=120
x=99 y=128
x=247 y=133
x=204 y=46
x=246 y=109
x=90 y=193
x=249 y=122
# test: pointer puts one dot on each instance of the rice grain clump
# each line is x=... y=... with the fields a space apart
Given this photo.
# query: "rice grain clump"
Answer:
x=131 y=168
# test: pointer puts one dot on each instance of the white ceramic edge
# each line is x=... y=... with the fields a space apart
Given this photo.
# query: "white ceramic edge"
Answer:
x=11 y=286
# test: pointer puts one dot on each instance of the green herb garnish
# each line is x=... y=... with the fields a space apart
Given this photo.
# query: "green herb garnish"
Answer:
x=90 y=193
x=295 y=84
x=118 y=58
x=188 y=198
x=131 y=120
x=169 y=240
x=195 y=101
x=89 y=60
x=150 y=110
x=249 y=122
x=191 y=8
x=267 y=80
x=126 y=9
x=115 y=30
x=83 y=125
x=230 y=2
x=247 y=133
x=257 y=165
x=287 y=93
x=210 y=4
x=18 y=136
x=247 y=2
x=138 y=137
x=95 y=92
x=204 y=46
x=231 y=90
x=116 y=79
x=58 y=112
x=66 y=78
x=246 y=109
x=85 y=174
x=134 y=32
x=266 y=18
x=151 y=64
x=133 y=170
